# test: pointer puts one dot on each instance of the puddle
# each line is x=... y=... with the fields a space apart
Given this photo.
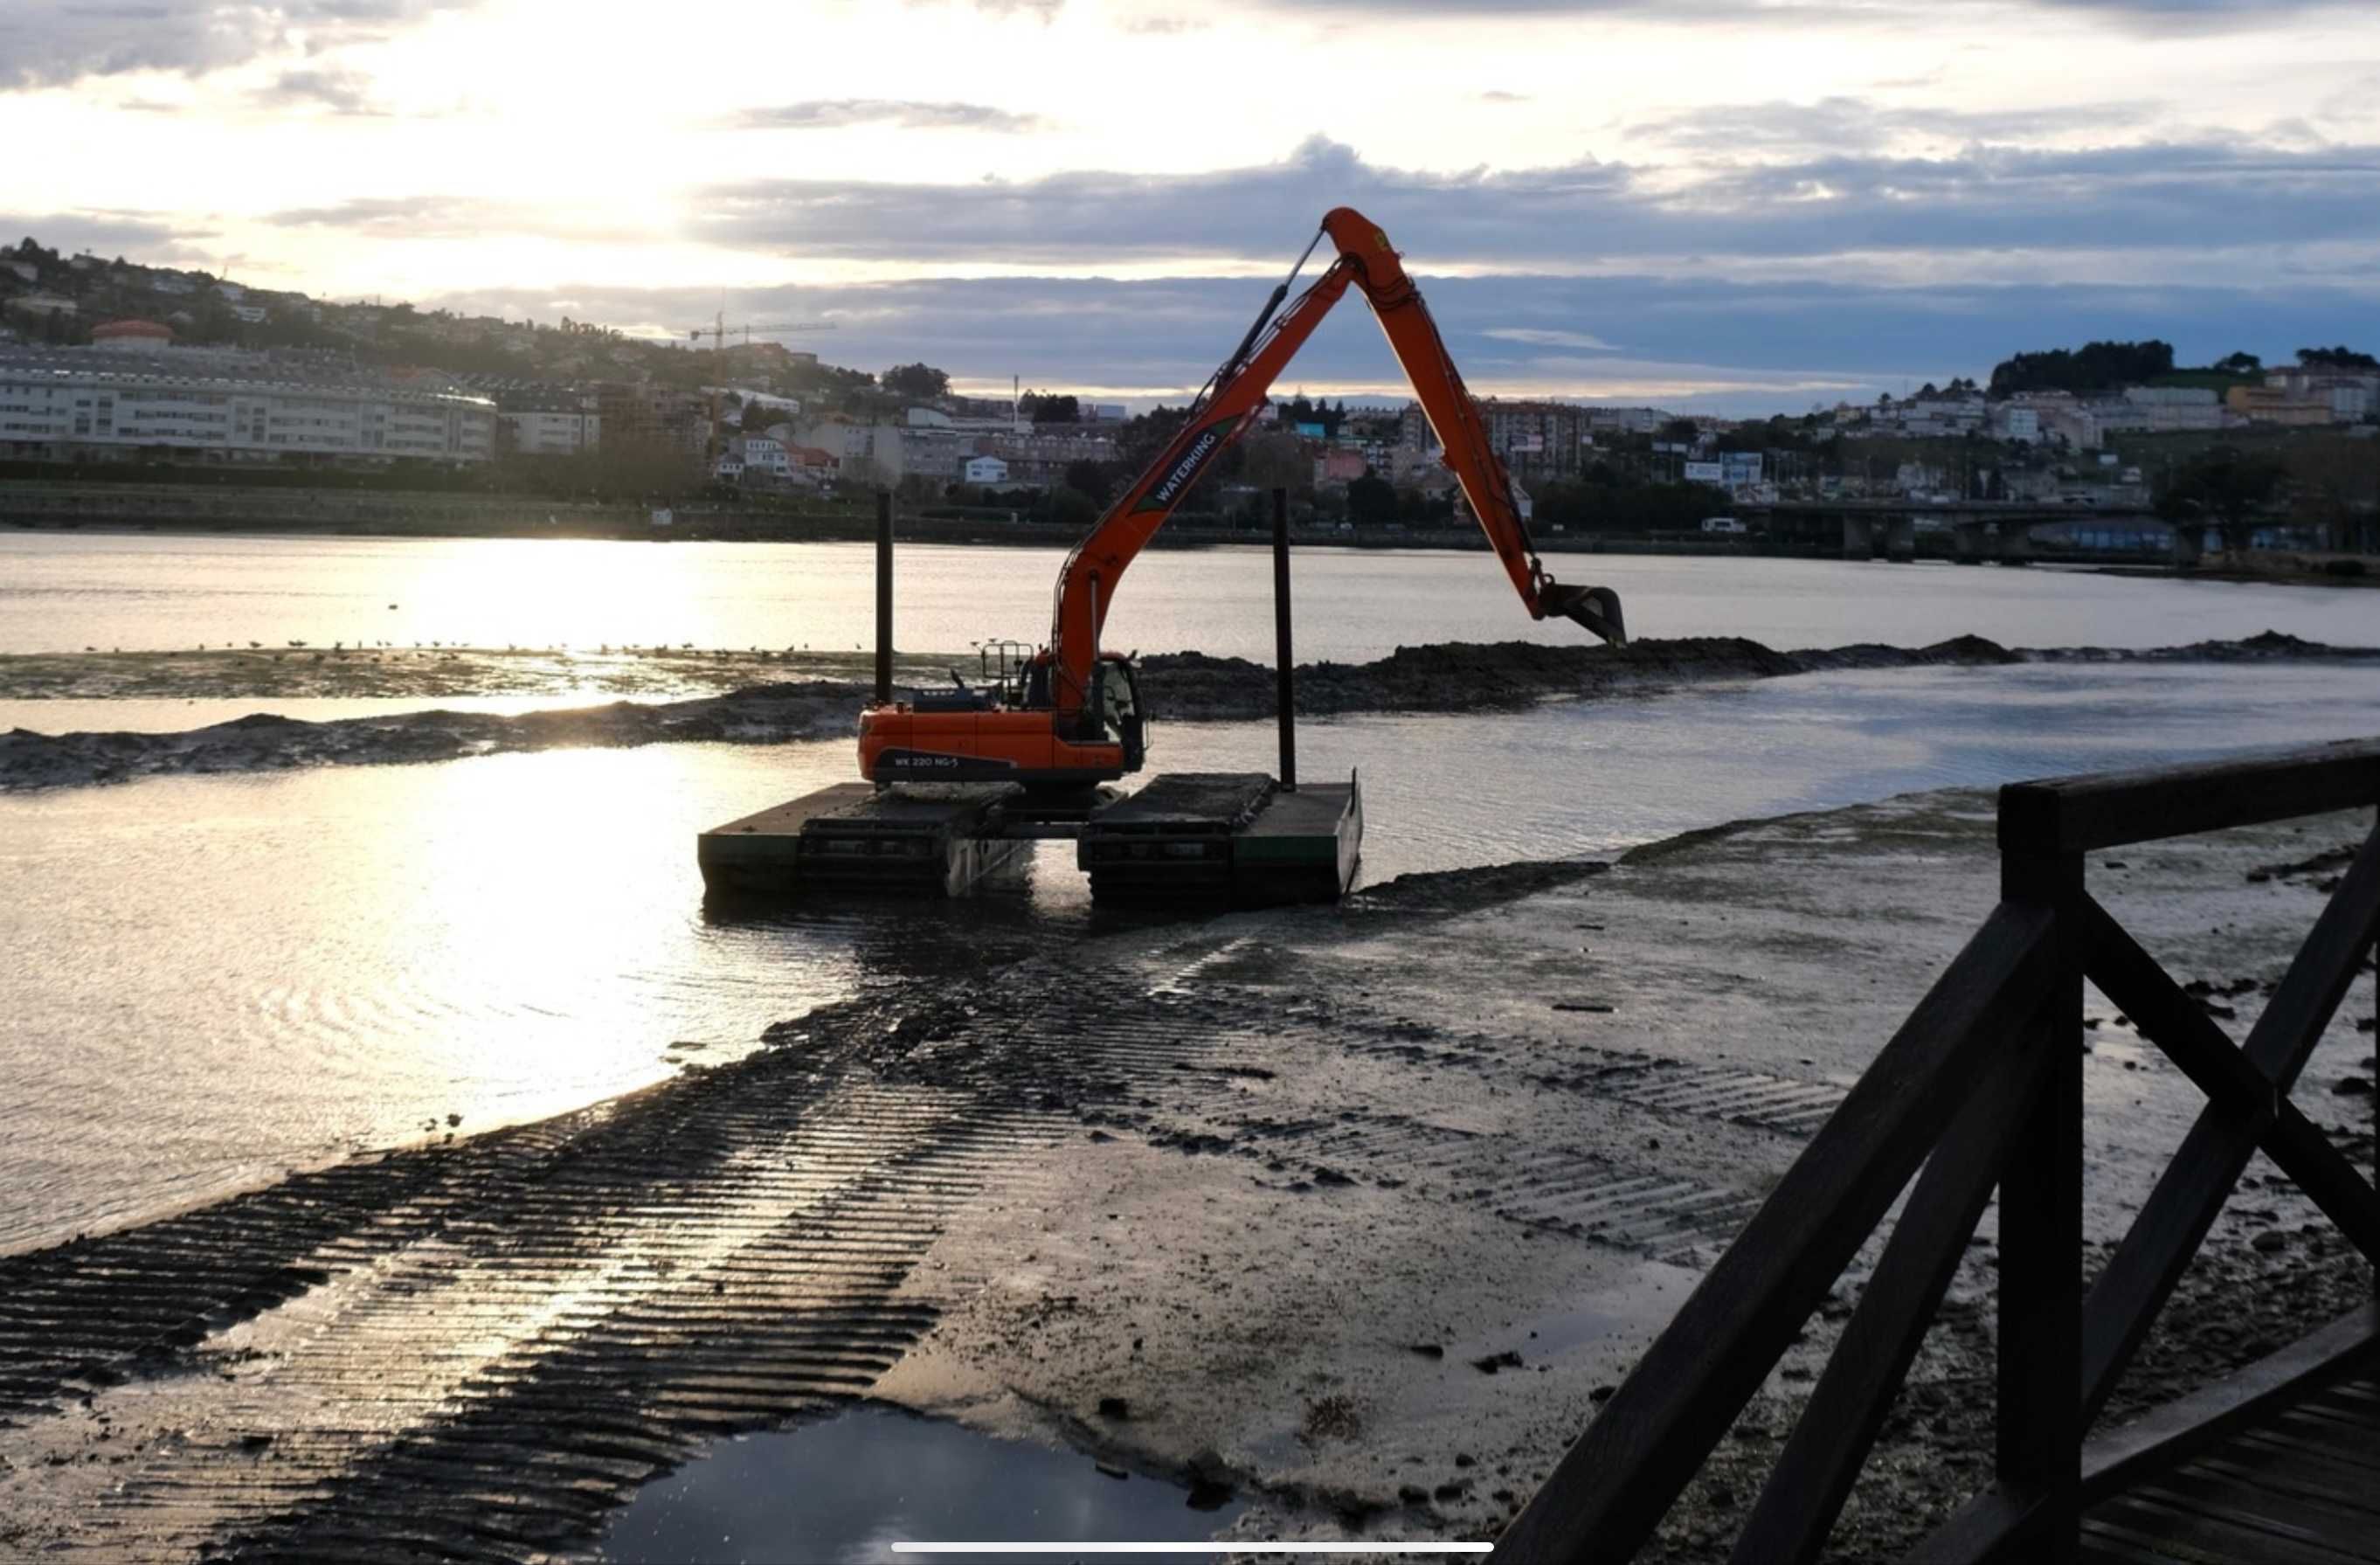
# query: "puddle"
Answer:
x=1621 y=1319
x=846 y=1489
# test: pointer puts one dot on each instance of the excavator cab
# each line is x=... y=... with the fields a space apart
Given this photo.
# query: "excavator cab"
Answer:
x=1115 y=696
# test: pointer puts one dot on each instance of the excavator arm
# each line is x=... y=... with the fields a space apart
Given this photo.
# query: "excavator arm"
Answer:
x=1237 y=395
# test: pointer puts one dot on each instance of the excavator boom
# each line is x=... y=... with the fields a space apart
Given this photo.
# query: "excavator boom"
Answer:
x=1077 y=720
x=1366 y=260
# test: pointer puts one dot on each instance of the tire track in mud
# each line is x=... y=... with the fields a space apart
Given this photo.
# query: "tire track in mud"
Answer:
x=477 y=1352
x=480 y=1350
x=1583 y=1194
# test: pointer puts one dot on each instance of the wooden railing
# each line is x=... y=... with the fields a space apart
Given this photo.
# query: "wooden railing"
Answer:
x=1983 y=1086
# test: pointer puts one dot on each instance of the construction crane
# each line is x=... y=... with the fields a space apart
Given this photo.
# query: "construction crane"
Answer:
x=719 y=328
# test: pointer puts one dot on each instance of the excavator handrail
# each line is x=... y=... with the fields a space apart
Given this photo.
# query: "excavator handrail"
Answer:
x=1231 y=401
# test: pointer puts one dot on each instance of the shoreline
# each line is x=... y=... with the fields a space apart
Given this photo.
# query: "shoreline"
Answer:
x=1179 y=686
x=1211 y=1204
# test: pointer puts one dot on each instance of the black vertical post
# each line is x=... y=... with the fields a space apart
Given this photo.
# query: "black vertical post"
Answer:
x=1285 y=661
x=2040 y=1445
x=883 y=596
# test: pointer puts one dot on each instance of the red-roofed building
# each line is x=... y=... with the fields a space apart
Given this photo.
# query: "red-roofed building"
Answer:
x=131 y=333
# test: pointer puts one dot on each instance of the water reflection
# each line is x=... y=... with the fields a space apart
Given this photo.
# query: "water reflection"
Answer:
x=843 y=1491
x=212 y=979
x=68 y=590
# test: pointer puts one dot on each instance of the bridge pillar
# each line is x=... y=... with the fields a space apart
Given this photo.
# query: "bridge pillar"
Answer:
x=2016 y=543
x=1901 y=539
x=2188 y=544
x=1967 y=544
x=1859 y=538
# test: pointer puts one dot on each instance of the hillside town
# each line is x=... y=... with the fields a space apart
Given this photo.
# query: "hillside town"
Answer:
x=112 y=367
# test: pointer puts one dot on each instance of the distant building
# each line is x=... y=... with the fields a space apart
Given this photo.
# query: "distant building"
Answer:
x=2158 y=410
x=1415 y=467
x=886 y=454
x=639 y=413
x=227 y=406
x=1339 y=467
x=2017 y=422
x=41 y=304
x=548 y=421
x=1625 y=420
x=2057 y=417
x=812 y=462
x=762 y=454
x=135 y=335
x=1039 y=454
x=1536 y=439
x=987 y=472
x=2272 y=404
x=2351 y=395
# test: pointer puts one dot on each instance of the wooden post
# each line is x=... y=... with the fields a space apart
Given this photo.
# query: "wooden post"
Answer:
x=1283 y=660
x=883 y=596
x=2041 y=1428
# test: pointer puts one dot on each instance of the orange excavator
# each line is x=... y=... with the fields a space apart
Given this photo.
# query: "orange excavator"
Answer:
x=1072 y=716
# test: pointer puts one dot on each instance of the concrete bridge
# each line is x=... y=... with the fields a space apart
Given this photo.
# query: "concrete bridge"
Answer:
x=1981 y=530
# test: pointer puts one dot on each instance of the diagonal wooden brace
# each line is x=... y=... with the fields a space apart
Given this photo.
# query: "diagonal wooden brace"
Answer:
x=2141 y=1273
x=2167 y=1017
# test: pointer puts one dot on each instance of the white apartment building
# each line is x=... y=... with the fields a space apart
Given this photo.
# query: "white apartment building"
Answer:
x=762 y=454
x=2016 y=421
x=552 y=432
x=2351 y=395
x=2159 y=410
x=61 y=404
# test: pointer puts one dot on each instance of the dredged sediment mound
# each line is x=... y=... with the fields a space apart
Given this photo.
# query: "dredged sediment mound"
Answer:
x=1179 y=687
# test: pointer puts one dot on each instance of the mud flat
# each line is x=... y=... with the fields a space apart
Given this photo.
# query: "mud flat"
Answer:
x=1182 y=686
x=1355 y=1213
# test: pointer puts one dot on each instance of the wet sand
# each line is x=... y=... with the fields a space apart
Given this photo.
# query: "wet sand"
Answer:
x=812 y=696
x=1354 y=1211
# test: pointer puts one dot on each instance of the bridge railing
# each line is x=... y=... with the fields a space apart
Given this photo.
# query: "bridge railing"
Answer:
x=1982 y=1088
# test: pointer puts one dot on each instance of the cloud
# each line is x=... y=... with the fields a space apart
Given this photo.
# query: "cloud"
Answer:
x=451 y=218
x=53 y=43
x=836 y=113
x=427 y=217
x=341 y=91
x=137 y=236
x=2134 y=14
x=1835 y=124
x=1495 y=96
x=1705 y=343
x=1540 y=336
x=2170 y=196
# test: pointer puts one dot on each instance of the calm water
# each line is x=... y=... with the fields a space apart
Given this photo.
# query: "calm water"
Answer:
x=66 y=591
x=845 y=1490
x=212 y=979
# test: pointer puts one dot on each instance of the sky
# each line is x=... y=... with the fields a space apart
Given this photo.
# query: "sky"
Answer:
x=1736 y=206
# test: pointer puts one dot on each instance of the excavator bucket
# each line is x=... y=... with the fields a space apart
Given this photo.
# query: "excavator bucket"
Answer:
x=1598 y=607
